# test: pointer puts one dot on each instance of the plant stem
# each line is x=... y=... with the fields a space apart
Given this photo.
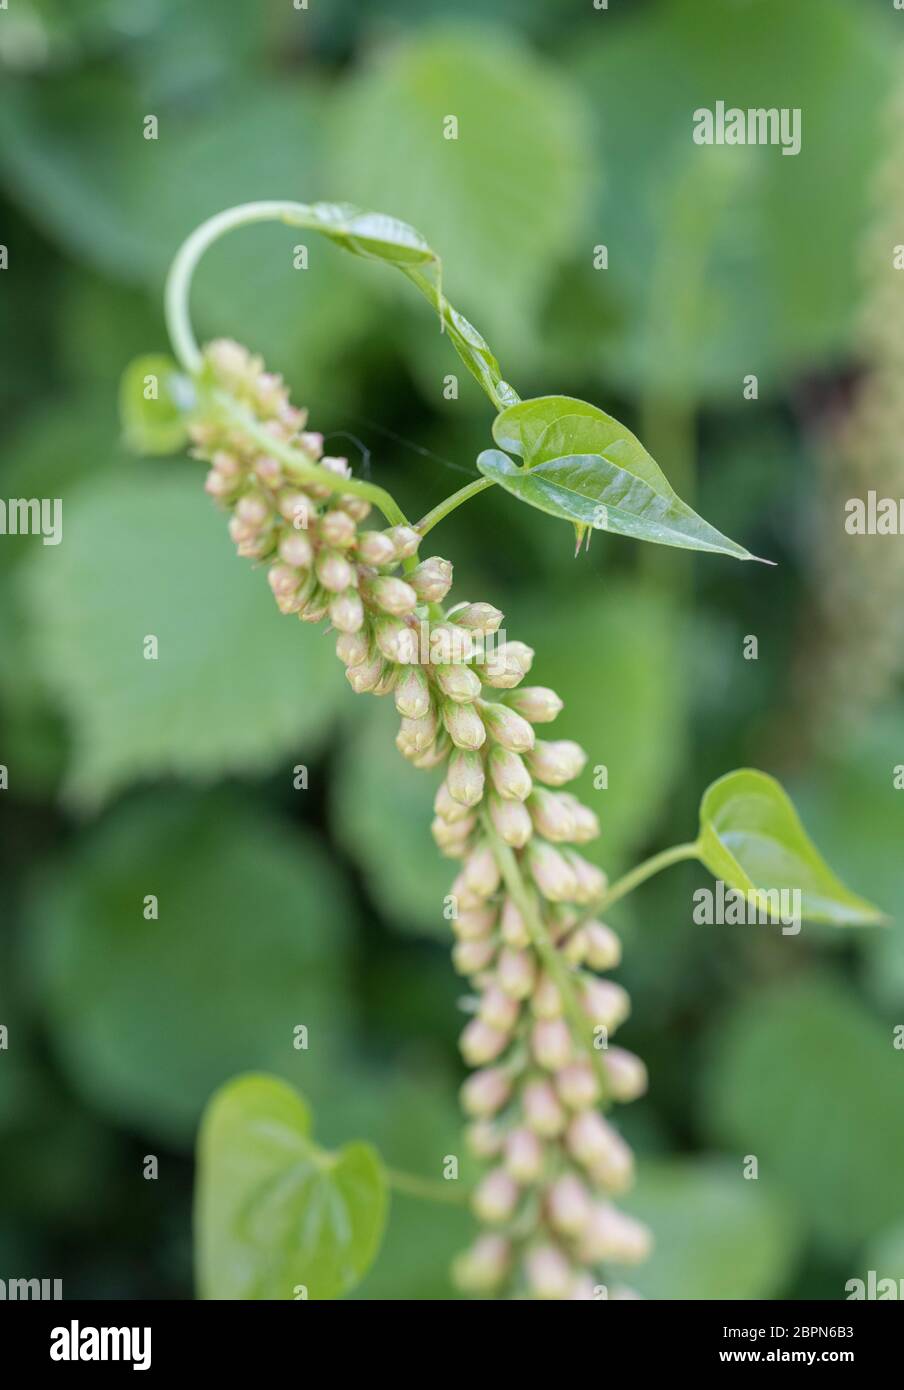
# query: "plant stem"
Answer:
x=303 y=467
x=425 y=1189
x=646 y=870
x=449 y=504
x=555 y=963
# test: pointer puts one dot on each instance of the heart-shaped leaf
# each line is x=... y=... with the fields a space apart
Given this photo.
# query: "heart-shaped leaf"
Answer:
x=751 y=838
x=276 y=1217
x=585 y=467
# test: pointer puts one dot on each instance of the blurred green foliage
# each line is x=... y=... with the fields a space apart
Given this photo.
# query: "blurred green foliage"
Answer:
x=322 y=907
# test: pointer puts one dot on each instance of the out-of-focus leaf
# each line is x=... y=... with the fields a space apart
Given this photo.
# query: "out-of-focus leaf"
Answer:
x=149 y=1015
x=276 y=1216
x=751 y=837
x=499 y=202
x=153 y=396
x=802 y=1077
x=713 y=270
x=233 y=687
x=716 y=1234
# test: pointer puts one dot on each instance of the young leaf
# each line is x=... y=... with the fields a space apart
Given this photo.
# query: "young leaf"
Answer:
x=585 y=467
x=276 y=1217
x=751 y=838
x=371 y=234
x=153 y=396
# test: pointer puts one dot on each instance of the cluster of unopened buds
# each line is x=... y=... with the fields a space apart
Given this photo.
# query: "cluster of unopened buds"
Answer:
x=554 y=1162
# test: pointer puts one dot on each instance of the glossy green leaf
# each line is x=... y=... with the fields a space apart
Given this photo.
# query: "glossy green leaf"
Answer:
x=153 y=399
x=276 y=1216
x=372 y=234
x=585 y=467
x=751 y=838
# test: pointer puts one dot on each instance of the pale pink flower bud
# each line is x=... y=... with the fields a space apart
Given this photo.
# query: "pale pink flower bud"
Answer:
x=337 y=529
x=568 y=1203
x=392 y=595
x=227 y=465
x=253 y=509
x=458 y=683
x=603 y=946
x=268 y=470
x=606 y=1003
x=229 y=360
x=577 y=1084
x=484 y=1139
x=375 y=548
x=550 y=1043
x=612 y=1235
x=486 y=1092
x=586 y=824
x=311 y=441
x=510 y=777
x=452 y=839
x=392 y=636
x=548 y=1272
x=449 y=645
x=283 y=580
x=551 y=872
x=557 y=762
x=435 y=755
x=511 y=820
x=524 y=1155
x=499 y=1009
x=340 y=466
x=465 y=777
x=495 y=1197
x=536 y=702
x=589 y=1137
x=516 y=972
x=551 y=815
x=217 y=485
x=334 y=571
x=546 y=1001
x=298 y=509
x=445 y=804
x=627 y=1074
x=295 y=549
x=575 y=948
x=405 y=541
x=614 y=1170
x=470 y=957
x=591 y=881
x=412 y=694
x=347 y=612
x=431 y=579
x=481 y=618
x=514 y=931
x=365 y=675
x=481 y=872
x=475 y=924
x=464 y=725
x=542 y=1109
x=482 y=1268
x=358 y=508
x=508 y=665
x=508 y=728
x=479 y=1043
x=352 y=648
x=421 y=731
